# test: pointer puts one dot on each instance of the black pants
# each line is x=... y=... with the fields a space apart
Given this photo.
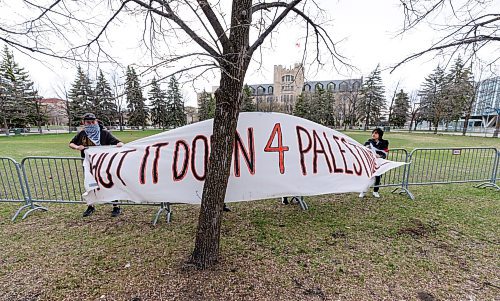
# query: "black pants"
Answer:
x=377 y=182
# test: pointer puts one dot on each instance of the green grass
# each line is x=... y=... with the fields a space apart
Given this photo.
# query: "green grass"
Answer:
x=445 y=245
x=442 y=246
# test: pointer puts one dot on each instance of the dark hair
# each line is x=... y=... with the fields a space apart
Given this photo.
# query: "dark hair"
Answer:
x=379 y=131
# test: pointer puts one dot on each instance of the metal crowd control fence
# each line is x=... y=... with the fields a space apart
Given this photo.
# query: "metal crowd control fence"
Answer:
x=453 y=165
x=11 y=184
x=395 y=177
x=61 y=180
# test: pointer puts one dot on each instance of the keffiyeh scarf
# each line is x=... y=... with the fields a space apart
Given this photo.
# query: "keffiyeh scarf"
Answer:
x=94 y=133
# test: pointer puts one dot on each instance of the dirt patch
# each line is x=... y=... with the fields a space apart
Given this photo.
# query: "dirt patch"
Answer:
x=423 y=296
x=417 y=228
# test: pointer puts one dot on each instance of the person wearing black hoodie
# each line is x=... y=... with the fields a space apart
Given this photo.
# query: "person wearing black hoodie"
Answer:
x=94 y=134
x=381 y=148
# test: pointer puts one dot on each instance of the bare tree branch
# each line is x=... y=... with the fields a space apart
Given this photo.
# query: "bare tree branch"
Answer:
x=169 y=14
x=212 y=18
x=475 y=28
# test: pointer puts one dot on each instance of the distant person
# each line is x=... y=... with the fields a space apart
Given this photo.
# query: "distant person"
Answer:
x=94 y=134
x=381 y=148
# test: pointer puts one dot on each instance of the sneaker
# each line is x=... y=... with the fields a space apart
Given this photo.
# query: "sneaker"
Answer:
x=116 y=211
x=89 y=211
x=375 y=194
x=362 y=195
x=226 y=208
x=284 y=201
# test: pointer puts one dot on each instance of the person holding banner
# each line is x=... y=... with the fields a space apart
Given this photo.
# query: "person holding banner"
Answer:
x=94 y=134
x=381 y=148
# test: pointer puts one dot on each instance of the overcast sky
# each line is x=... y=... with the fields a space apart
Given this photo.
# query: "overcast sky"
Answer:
x=366 y=31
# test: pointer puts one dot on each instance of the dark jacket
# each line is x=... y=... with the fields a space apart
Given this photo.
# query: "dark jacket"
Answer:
x=381 y=147
x=106 y=139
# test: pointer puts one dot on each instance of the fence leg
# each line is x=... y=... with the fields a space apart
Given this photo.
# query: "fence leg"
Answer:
x=403 y=190
x=164 y=207
x=488 y=184
x=301 y=201
x=19 y=211
x=35 y=207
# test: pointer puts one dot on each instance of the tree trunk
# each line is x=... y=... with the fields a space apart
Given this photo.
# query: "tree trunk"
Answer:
x=466 y=124
x=228 y=99
x=39 y=116
x=367 y=119
x=5 y=125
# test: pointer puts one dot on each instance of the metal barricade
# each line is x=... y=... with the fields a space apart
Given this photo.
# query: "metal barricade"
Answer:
x=396 y=176
x=495 y=175
x=11 y=185
x=453 y=165
x=61 y=180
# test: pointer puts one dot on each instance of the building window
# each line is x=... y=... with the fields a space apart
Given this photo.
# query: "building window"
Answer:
x=306 y=88
x=331 y=87
x=356 y=85
x=287 y=78
x=343 y=86
x=261 y=90
x=270 y=90
x=319 y=86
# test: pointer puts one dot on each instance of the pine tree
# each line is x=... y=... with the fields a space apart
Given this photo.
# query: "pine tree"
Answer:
x=301 y=108
x=6 y=89
x=137 y=110
x=372 y=100
x=400 y=109
x=327 y=108
x=460 y=91
x=247 y=104
x=433 y=102
x=18 y=98
x=207 y=106
x=104 y=106
x=175 y=104
x=158 y=103
x=80 y=97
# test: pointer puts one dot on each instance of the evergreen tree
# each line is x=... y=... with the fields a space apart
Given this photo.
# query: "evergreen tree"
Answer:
x=301 y=108
x=400 y=109
x=460 y=91
x=434 y=103
x=103 y=104
x=18 y=98
x=137 y=110
x=175 y=104
x=372 y=100
x=158 y=102
x=247 y=104
x=80 y=97
x=7 y=101
x=207 y=106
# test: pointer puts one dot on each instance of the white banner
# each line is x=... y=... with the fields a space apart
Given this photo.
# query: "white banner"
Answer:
x=275 y=155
